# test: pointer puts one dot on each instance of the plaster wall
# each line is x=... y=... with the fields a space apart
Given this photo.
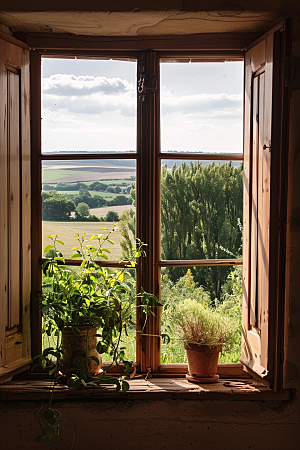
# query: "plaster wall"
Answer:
x=149 y=17
x=159 y=425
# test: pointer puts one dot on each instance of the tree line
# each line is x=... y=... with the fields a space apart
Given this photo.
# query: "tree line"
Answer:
x=201 y=217
x=57 y=206
x=95 y=186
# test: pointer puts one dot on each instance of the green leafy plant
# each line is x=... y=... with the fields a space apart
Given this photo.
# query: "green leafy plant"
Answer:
x=91 y=296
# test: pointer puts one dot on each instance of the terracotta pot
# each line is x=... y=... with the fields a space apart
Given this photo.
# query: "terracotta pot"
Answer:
x=74 y=346
x=202 y=363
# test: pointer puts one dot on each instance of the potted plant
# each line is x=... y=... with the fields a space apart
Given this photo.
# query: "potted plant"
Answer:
x=204 y=333
x=85 y=311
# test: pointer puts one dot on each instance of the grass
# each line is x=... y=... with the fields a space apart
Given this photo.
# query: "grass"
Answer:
x=123 y=182
x=52 y=175
x=101 y=212
x=66 y=232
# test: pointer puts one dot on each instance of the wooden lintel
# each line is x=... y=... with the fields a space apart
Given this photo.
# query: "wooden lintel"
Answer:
x=193 y=42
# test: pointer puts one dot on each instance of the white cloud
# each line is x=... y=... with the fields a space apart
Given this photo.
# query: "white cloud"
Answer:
x=96 y=104
x=206 y=105
x=70 y=94
x=70 y=85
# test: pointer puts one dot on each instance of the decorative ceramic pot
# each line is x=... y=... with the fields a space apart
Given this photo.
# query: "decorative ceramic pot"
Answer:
x=83 y=345
x=202 y=363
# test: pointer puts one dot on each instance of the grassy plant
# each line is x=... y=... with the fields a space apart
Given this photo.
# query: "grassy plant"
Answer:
x=174 y=294
x=196 y=324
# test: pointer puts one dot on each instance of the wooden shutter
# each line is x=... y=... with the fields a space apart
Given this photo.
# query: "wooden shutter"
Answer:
x=265 y=155
x=14 y=209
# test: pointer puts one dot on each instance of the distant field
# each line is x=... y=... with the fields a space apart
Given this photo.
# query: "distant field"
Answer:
x=101 y=212
x=55 y=175
x=60 y=174
x=66 y=232
x=125 y=181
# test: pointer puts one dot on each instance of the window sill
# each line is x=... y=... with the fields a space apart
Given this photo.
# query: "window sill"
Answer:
x=145 y=389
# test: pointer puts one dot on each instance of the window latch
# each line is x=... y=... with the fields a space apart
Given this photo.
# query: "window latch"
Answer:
x=141 y=83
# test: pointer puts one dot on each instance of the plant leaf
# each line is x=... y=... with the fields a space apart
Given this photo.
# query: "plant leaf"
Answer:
x=48 y=247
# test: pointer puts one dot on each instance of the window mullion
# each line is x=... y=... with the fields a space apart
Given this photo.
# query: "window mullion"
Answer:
x=148 y=215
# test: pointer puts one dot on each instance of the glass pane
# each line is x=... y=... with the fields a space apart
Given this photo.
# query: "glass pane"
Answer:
x=201 y=210
x=202 y=107
x=219 y=288
x=84 y=196
x=88 y=105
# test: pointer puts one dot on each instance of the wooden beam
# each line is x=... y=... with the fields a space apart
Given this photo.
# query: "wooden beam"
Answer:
x=206 y=41
x=13 y=40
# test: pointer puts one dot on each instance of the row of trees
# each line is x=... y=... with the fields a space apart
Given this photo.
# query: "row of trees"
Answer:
x=56 y=206
x=201 y=216
x=77 y=186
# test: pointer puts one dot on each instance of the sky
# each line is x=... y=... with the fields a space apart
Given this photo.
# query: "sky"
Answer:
x=90 y=105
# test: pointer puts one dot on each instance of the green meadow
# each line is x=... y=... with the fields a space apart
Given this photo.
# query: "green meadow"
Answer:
x=67 y=233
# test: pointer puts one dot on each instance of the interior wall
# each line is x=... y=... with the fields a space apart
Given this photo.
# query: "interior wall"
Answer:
x=147 y=17
x=169 y=424
x=158 y=425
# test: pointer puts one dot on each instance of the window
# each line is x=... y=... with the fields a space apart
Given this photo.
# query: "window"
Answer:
x=264 y=114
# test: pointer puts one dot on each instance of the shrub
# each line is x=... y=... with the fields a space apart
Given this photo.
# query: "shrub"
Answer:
x=201 y=325
x=111 y=216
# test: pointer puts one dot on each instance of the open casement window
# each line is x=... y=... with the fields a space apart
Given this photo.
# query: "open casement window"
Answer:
x=264 y=198
x=265 y=156
x=264 y=208
x=15 y=209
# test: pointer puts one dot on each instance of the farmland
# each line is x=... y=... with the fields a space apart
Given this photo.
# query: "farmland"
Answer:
x=101 y=212
x=66 y=232
x=103 y=186
x=87 y=171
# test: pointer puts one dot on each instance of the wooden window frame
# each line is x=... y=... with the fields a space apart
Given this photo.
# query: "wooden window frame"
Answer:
x=148 y=158
x=213 y=47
